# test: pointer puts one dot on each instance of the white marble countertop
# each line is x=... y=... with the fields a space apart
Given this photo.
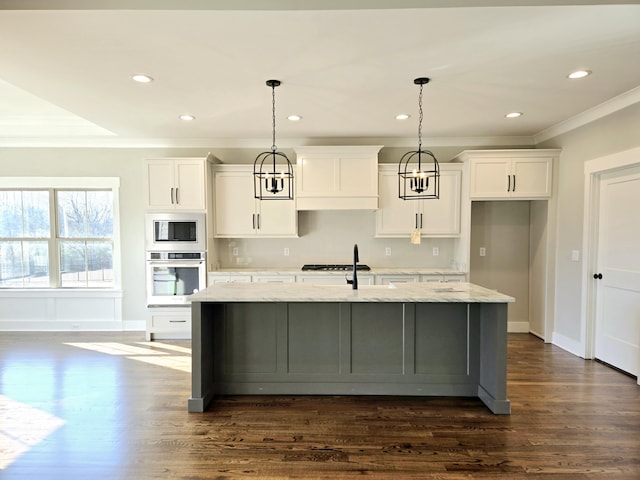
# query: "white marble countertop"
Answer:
x=373 y=271
x=301 y=292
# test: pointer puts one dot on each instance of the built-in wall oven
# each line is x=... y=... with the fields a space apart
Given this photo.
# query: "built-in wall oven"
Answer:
x=173 y=276
x=176 y=243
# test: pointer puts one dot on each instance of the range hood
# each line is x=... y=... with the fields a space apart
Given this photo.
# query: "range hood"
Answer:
x=337 y=177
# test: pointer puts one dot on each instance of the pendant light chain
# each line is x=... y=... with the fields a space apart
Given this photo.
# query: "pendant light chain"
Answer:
x=273 y=117
x=420 y=116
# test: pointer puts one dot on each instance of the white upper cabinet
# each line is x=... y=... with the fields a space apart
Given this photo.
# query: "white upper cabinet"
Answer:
x=432 y=217
x=237 y=214
x=509 y=174
x=176 y=184
x=337 y=178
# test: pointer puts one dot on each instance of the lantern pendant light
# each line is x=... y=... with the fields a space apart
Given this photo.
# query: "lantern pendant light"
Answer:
x=272 y=170
x=418 y=170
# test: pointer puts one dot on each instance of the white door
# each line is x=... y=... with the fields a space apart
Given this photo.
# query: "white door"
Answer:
x=618 y=291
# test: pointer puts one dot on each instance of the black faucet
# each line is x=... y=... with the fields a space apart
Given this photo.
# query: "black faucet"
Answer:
x=356 y=259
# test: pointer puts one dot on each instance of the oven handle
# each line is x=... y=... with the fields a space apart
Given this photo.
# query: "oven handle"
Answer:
x=180 y=263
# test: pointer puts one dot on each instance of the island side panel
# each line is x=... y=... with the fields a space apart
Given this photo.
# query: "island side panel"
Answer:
x=492 y=388
x=203 y=316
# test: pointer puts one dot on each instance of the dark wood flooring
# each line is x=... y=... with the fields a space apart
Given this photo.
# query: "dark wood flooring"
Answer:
x=111 y=406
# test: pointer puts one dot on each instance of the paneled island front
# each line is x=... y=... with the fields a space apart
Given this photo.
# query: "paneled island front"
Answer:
x=305 y=339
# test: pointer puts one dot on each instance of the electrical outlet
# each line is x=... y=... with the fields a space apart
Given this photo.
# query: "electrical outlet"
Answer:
x=387 y=251
x=286 y=251
x=483 y=252
x=436 y=251
x=234 y=251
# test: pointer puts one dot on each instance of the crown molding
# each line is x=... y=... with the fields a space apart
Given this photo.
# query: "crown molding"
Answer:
x=612 y=105
x=115 y=142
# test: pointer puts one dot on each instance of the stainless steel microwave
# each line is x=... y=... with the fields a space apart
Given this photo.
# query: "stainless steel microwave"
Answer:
x=175 y=231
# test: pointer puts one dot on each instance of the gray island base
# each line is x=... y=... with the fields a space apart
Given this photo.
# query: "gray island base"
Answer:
x=299 y=339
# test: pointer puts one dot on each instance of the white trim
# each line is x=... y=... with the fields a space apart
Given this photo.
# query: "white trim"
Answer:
x=612 y=105
x=593 y=169
x=209 y=143
x=568 y=344
x=60 y=182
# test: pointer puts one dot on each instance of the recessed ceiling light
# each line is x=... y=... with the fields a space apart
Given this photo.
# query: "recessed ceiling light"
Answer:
x=142 y=78
x=187 y=118
x=513 y=115
x=402 y=116
x=579 y=74
x=294 y=118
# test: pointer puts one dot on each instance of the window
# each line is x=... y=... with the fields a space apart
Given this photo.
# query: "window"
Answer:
x=25 y=231
x=57 y=237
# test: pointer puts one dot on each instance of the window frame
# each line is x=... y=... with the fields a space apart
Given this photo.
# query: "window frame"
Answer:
x=52 y=184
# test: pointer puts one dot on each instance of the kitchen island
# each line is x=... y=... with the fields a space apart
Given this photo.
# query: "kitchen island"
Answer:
x=299 y=339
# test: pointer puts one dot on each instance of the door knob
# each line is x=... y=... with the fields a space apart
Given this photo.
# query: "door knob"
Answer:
x=597 y=276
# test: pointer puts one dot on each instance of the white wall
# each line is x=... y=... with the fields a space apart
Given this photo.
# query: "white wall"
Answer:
x=614 y=133
x=502 y=228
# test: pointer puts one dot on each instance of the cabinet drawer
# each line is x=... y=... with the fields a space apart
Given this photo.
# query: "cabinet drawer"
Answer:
x=171 y=321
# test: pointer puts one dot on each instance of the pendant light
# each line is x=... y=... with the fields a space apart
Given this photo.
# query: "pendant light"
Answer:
x=272 y=170
x=418 y=170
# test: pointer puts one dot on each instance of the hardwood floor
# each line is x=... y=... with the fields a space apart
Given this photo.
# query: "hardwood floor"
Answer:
x=112 y=406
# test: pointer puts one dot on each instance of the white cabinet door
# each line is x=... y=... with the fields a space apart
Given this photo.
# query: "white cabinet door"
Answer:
x=160 y=189
x=524 y=177
x=238 y=214
x=277 y=218
x=395 y=217
x=234 y=205
x=441 y=216
x=433 y=217
x=531 y=177
x=490 y=177
x=176 y=184
x=190 y=184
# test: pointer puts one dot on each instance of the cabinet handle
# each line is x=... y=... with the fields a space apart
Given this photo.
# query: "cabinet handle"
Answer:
x=416 y=220
x=258 y=215
x=171 y=195
x=177 y=321
x=597 y=276
x=420 y=220
x=514 y=182
x=177 y=197
x=509 y=184
x=253 y=217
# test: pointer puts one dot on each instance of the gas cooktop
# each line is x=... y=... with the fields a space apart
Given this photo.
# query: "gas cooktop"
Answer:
x=333 y=267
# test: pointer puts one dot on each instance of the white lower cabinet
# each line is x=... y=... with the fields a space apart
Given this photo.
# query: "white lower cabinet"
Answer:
x=215 y=278
x=386 y=279
x=335 y=279
x=168 y=322
x=273 y=278
x=389 y=279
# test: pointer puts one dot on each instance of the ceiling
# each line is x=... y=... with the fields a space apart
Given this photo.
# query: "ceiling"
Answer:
x=347 y=70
